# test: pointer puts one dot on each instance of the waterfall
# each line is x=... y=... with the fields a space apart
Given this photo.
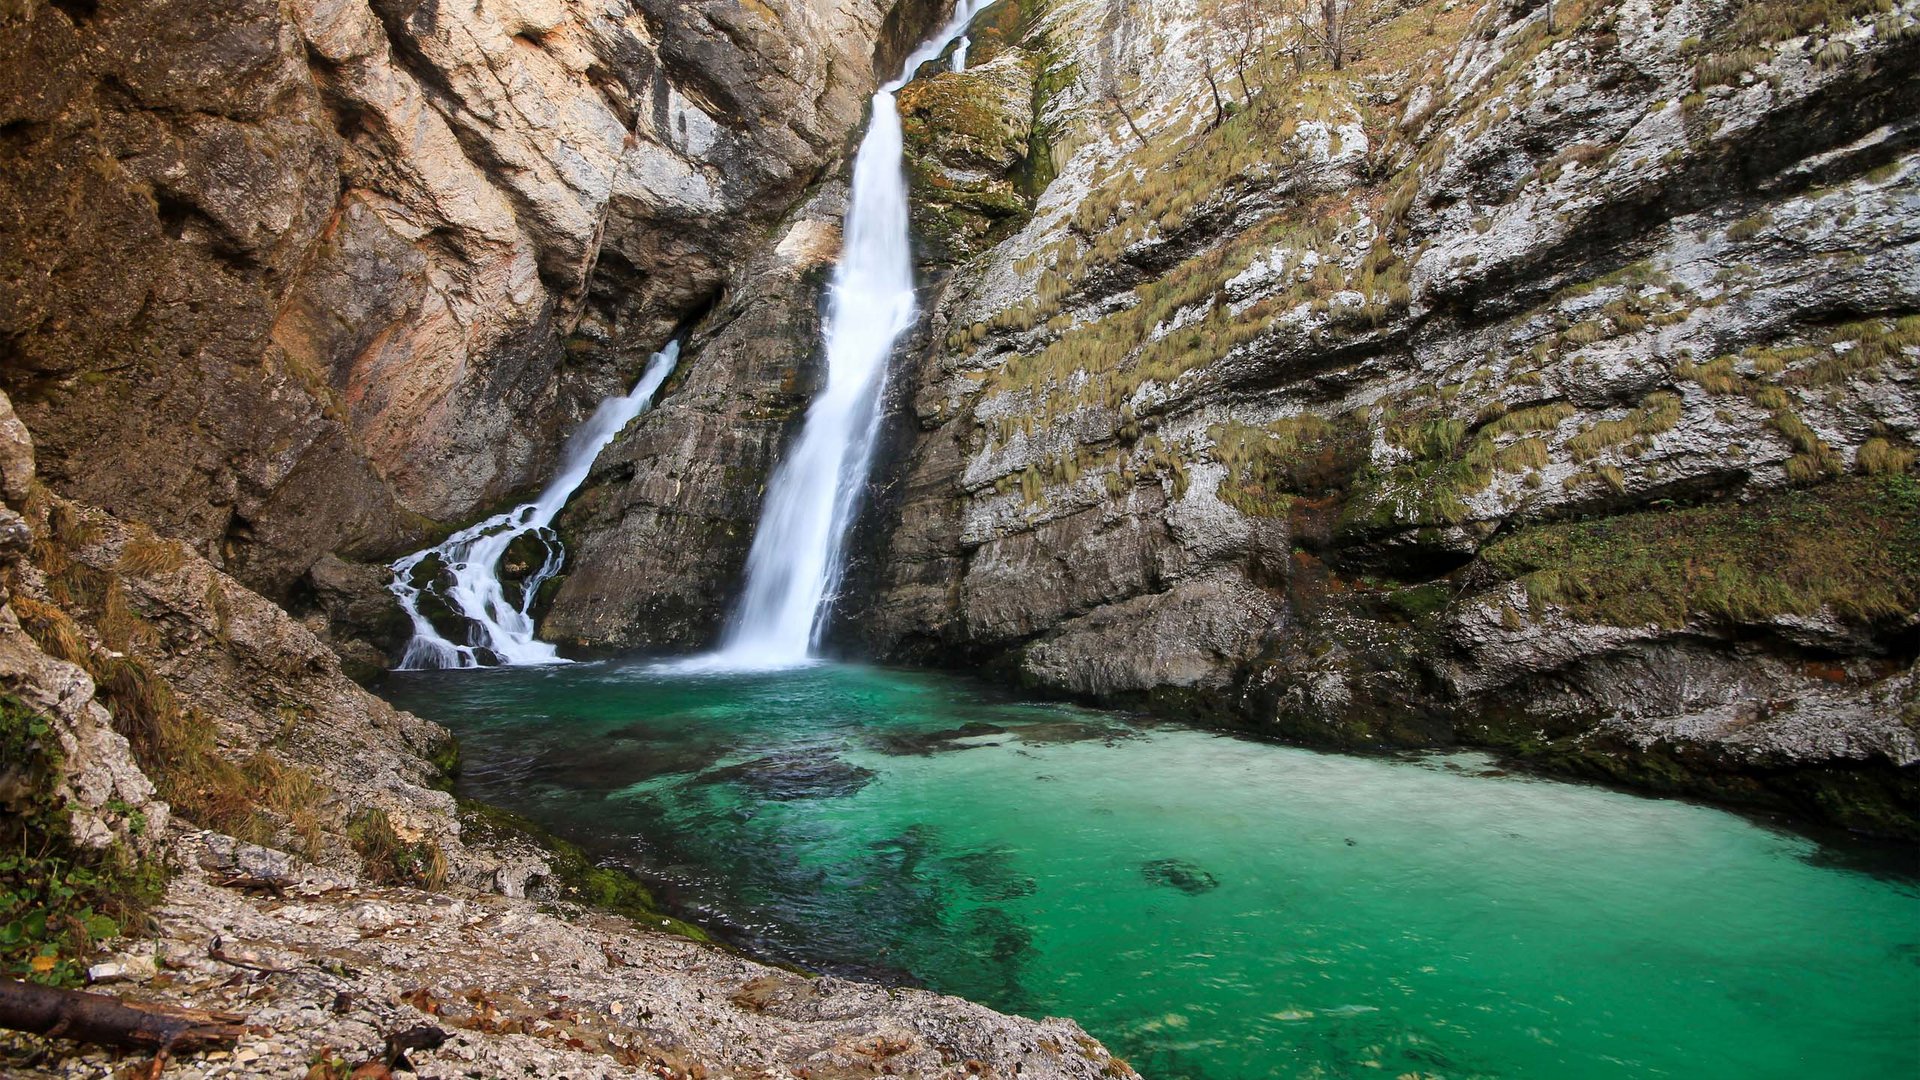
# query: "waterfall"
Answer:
x=468 y=580
x=794 y=565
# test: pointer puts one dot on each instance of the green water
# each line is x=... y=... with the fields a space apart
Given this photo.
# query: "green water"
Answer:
x=1211 y=906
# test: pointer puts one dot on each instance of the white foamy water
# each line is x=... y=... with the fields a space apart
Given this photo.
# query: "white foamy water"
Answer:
x=468 y=581
x=794 y=565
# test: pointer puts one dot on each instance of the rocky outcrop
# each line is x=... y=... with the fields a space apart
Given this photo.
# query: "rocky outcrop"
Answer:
x=659 y=536
x=285 y=281
x=1542 y=377
x=332 y=966
x=150 y=672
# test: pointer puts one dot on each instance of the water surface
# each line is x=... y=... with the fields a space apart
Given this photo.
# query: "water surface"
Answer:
x=1210 y=906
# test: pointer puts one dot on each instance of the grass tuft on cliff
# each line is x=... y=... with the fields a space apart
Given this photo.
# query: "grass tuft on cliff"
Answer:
x=91 y=619
x=1850 y=547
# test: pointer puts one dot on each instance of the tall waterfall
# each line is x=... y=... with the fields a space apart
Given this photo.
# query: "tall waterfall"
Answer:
x=468 y=579
x=794 y=565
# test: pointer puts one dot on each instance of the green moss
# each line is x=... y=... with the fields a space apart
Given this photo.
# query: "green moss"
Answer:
x=1421 y=601
x=446 y=763
x=57 y=901
x=579 y=877
x=1430 y=490
x=1851 y=547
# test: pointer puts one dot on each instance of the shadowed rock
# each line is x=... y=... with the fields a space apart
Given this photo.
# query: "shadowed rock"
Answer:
x=1179 y=874
x=807 y=774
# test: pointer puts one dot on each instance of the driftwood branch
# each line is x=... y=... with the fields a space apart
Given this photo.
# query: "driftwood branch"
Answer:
x=108 y=1021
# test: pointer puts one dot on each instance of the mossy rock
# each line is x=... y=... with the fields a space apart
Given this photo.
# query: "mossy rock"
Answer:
x=968 y=136
x=1850 y=547
x=999 y=27
x=577 y=877
x=1868 y=796
x=977 y=119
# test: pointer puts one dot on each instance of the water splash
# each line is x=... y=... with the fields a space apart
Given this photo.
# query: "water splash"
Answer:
x=794 y=566
x=468 y=579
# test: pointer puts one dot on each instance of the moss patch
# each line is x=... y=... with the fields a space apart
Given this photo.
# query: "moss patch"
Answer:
x=1851 y=547
x=579 y=877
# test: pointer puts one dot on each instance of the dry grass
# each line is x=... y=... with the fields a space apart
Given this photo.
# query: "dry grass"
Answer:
x=391 y=860
x=151 y=556
x=1882 y=457
x=1851 y=547
x=50 y=628
x=90 y=618
x=1812 y=459
x=1657 y=414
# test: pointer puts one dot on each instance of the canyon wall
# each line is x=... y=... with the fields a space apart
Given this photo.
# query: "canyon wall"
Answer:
x=1544 y=377
x=1531 y=375
x=1539 y=376
x=306 y=284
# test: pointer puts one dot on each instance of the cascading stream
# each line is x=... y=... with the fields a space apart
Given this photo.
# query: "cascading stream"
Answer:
x=794 y=565
x=469 y=579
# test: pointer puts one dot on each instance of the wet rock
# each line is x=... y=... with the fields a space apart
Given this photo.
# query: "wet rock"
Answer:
x=1179 y=874
x=658 y=536
x=927 y=743
x=1182 y=440
x=621 y=760
x=817 y=774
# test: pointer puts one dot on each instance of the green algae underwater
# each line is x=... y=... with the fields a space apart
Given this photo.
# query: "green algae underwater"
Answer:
x=1209 y=905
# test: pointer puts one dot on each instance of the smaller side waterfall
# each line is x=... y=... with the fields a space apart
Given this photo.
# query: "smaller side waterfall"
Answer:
x=467 y=579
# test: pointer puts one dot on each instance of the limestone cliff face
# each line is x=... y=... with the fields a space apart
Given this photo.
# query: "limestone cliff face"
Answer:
x=1536 y=376
x=1543 y=377
x=285 y=280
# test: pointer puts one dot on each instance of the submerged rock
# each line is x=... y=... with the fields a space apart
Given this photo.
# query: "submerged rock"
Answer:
x=1179 y=874
x=925 y=743
x=816 y=774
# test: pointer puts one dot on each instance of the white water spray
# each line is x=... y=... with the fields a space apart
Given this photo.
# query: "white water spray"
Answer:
x=794 y=565
x=469 y=581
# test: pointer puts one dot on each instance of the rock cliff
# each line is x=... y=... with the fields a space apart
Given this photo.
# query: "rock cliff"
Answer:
x=1532 y=375
x=1541 y=376
x=291 y=281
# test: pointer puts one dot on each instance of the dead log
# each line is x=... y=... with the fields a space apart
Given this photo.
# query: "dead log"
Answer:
x=109 y=1021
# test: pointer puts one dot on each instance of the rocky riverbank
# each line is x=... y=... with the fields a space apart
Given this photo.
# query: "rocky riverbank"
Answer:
x=149 y=696
x=328 y=968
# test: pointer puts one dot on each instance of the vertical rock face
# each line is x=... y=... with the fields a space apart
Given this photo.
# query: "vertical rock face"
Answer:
x=291 y=279
x=1539 y=377
x=658 y=539
x=658 y=536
